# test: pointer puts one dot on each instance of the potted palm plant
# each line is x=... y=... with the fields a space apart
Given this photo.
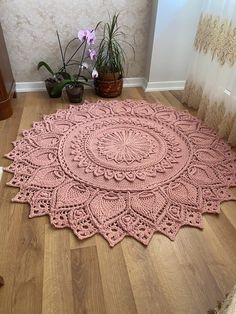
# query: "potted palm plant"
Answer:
x=110 y=60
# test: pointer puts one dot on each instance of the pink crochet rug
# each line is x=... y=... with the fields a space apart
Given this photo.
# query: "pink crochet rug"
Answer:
x=122 y=168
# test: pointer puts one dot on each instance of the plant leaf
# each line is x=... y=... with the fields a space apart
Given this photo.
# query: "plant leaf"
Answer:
x=65 y=75
x=83 y=83
x=44 y=64
x=84 y=77
x=59 y=87
x=111 y=54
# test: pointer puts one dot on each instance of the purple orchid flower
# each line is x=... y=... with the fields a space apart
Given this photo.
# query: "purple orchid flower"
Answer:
x=87 y=35
x=92 y=54
x=91 y=37
x=82 y=35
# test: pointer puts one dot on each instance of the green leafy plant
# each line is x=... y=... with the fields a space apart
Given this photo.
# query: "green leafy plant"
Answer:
x=56 y=75
x=111 y=54
x=47 y=67
x=72 y=81
x=61 y=78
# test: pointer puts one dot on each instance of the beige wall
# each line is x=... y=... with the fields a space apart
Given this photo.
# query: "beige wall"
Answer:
x=29 y=27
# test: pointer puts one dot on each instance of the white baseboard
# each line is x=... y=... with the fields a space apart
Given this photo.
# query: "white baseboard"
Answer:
x=22 y=87
x=163 y=86
x=128 y=82
x=134 y=82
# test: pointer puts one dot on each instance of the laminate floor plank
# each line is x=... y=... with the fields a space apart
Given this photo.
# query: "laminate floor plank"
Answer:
x=57 y=276
x=149 y=291
x=86 y=281
x=28 y=281
x=172 y=275
x=117 y=288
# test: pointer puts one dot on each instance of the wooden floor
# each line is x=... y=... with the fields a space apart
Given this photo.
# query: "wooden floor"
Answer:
x=51 y=272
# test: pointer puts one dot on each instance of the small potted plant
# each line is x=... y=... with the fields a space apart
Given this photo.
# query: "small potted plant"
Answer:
x=74 y=87
x=52 y=81
x=110 y=60
x=74 y=83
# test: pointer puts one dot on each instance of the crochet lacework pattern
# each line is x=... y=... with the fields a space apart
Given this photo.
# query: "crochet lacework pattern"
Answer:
x=122 y=168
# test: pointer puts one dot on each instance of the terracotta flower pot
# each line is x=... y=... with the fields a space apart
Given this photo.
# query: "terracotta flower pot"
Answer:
x=75 y=93
x=107 y=88
x=50 y=84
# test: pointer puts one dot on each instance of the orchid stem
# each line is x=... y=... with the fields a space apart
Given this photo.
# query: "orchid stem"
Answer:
x=82 y=59
x=63 y=60
x=74 y=53
x=67 y=47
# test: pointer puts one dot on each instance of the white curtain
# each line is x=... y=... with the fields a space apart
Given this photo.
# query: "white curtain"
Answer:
x=211 y=83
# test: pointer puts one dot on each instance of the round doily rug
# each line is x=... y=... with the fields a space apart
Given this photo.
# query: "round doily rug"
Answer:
x=122 y=168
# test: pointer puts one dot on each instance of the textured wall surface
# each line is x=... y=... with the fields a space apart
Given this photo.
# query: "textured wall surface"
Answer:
x=29 y=29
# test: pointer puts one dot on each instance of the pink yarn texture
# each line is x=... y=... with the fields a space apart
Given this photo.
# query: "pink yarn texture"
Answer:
x=122 y=168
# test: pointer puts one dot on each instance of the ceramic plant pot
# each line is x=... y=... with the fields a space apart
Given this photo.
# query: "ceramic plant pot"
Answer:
x=50 y=84
x=75 y=93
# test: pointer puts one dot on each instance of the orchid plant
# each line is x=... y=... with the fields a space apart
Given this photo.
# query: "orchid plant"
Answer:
x=86 y=39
